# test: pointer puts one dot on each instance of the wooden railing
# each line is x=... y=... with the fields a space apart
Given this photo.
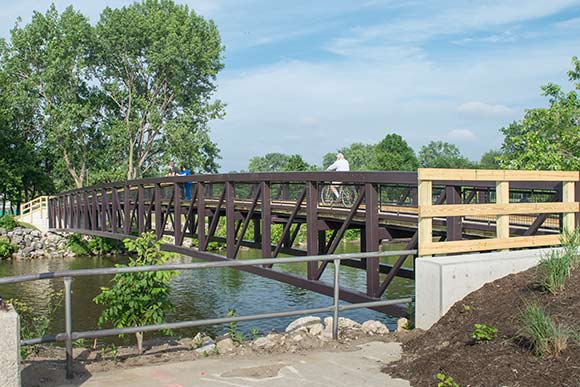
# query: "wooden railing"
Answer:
x=38 y=204
x=502 y=209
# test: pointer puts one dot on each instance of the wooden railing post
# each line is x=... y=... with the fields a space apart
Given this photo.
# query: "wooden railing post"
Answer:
x=568 y=196
x=425 y=196
x=502 y=193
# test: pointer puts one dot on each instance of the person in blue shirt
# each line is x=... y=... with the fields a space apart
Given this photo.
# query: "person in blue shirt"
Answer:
x=185 y=172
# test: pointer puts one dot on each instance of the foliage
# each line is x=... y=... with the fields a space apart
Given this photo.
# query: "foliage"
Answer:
x=83 y=104
x=101 y=245
x=445 y=381
x=554 y=270
x=359 y=156
x=78 y=244
x=547 y=138
x=156 y=62
x=541 y=333
x=394 y=154
x=484 y=332
x=236 y=335
x=7 y=248
x=490 y=160
x=32 y=325
x=136 y=299
x=278 y=162
x=571 y=243
x=255 y=333
x=8 y=222
x=440 y=154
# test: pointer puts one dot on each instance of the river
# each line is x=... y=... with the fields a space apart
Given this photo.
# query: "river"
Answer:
x=197 y=294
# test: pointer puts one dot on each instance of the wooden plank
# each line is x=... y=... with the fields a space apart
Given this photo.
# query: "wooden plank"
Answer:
x=498 y=209
x=425 y=224
x=502 y=192
x=569 y=197
x=444 y=174
x=466 y=246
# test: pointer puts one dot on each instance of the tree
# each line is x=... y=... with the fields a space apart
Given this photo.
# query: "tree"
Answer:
x=47 y=65
x=157 y=63
x=440 y=154
x=394 y=154
x=547 y=138
x=138 y=299
x=360 y=157
x=270 y=162
x=490 y=160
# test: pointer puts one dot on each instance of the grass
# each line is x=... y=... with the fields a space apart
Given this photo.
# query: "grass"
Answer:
x=541 y=333
x=556 y=266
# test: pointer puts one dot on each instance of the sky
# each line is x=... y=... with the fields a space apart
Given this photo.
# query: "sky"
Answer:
x=310 y=77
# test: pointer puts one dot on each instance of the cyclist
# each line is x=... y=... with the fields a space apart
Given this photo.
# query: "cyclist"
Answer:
x=340 y=165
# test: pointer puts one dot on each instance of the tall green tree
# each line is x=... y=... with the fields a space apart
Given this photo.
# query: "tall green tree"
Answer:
x=547 y=138
x=393 y=153
x=279 y=162
x=490 y=160
x=360 y=156
x=157 y=62
x=441 y=154
x=47 y=64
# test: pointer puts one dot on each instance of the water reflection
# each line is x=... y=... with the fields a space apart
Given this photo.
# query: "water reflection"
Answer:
x=198 y=294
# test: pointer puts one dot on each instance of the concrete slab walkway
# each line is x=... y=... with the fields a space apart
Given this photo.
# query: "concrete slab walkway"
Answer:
x=356 y=368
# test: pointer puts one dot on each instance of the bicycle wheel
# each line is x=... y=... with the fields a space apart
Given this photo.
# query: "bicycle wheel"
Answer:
x=348 y=195
x=327 y=197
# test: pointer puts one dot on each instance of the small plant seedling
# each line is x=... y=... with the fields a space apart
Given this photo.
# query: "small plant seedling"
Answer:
x=236 y=335
x=467 y=308
x=255 y=333
x=484 y=332
x=445 y=381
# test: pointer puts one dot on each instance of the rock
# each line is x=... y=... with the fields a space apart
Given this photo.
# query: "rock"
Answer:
x=226 y=345
x=26 y=251
x=302 y=322
x=17 y=231
x=343 y=323
x=315 y=329
x=36 y=233
x=260 y=343
x=201 y=340
x=206 y=348
x=17 y=239
x=402 y=324
x=373 y=327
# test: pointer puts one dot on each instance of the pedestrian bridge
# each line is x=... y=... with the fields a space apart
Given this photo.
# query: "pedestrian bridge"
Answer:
x=436 y=211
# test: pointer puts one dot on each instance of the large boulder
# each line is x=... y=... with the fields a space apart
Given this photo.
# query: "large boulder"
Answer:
x=373 y=327
x=226 y=345
x=302 y=323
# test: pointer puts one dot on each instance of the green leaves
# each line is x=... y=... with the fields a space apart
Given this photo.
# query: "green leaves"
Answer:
x=137 y=299
x=440 y=154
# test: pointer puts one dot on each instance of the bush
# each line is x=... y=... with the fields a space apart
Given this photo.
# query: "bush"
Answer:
x=6 y=248
x=484 y=332
x=78 y=245
x=102 y=245
x=541 y=333
x=8 y=222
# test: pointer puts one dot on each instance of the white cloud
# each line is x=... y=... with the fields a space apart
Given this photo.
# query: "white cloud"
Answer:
x=461 y=135
x=484 y=109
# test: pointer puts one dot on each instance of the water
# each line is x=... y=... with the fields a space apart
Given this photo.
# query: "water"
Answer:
x=197 y=294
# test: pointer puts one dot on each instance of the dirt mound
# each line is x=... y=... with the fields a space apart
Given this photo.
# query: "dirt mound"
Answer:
x=448 y=347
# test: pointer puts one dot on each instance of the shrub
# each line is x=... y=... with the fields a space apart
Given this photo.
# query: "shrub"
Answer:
x=541 y=333
x=6 y=248
x=554 y=269
x=102 y=245
x=8 y=222
x=137 y=299
x=77 y=244
x=445 y=381
x=484 y=332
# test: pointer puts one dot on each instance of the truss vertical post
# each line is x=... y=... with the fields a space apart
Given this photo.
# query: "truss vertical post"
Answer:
x=103 y=209
x=312 y=226
x=266 y=237
x=372 y=238
x=158 y=213
x=94 y=210
x=141 y=209
x=230 y=220
x=126 y=210
x=201 y=215
x=453 y=196
x=114 y=210
x=177 y=214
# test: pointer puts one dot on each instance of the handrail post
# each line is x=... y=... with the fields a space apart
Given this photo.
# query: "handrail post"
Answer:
x=336 y=299
x=68 y=327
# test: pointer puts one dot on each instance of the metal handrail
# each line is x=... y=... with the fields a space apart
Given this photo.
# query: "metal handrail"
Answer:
x=67 y=276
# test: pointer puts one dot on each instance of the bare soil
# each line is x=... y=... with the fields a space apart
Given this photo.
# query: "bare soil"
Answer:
x=448 y=346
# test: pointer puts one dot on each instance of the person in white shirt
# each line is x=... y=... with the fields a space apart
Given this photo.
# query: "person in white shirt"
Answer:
x=340 y=165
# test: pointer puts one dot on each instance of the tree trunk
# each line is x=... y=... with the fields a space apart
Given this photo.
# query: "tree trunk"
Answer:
x=139 y=336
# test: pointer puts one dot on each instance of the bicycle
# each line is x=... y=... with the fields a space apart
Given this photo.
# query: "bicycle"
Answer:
x=346 y=195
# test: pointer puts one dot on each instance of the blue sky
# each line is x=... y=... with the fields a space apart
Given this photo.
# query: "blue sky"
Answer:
x=309 y=77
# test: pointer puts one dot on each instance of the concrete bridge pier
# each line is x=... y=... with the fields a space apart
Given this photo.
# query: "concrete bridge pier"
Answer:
x=9 y=347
